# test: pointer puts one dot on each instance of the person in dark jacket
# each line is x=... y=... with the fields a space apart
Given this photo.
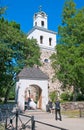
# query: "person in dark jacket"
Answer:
x=29 y=100
x=57 y=110
x=50 y=106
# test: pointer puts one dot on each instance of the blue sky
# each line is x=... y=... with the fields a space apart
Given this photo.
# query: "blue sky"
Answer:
x=22 y=11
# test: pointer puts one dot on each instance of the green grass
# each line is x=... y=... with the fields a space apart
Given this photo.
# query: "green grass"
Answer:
x=2 y=127
x=71 y=113
x=9 y=101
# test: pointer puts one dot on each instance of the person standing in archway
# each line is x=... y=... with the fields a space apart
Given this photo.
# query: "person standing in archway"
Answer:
x=29 y=100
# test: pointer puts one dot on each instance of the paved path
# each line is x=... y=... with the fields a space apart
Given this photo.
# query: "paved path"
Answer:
x=67 y=123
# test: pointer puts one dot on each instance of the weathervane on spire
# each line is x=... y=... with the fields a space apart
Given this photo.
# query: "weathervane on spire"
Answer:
x=40 y=8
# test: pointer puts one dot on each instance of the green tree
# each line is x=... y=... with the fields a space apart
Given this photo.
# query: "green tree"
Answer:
x=68 y=61
x=16 y=51
x=2 y=10
x=53 y=96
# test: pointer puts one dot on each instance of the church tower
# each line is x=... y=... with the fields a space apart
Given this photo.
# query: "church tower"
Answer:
x=46 y=39
x=40 y=19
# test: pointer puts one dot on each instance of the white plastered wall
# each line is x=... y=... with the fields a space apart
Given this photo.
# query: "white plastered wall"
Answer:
x=46 y=35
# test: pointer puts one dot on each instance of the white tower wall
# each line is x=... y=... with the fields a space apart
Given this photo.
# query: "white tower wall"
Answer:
x=40 y=19
x=46 y=35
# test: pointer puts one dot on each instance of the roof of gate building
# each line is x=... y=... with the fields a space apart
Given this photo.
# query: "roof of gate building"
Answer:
x=32 y=73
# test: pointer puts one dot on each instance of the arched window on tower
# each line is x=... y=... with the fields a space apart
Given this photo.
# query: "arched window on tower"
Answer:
x=35 y=23
x=50 y=41
x=42 y=23
x=41 y=39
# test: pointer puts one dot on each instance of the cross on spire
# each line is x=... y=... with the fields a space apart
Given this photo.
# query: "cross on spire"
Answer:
x=40 y=8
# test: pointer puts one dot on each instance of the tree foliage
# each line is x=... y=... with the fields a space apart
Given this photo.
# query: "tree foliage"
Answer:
x=68 y=61
x=2 y=10
x=53 y=96
x=16 y=51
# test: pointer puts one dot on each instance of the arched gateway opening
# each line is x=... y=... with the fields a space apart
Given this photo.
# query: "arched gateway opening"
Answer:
x=34 y=83
x=35 y=93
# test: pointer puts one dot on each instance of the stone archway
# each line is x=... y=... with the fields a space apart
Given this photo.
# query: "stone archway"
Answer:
x=35 y=93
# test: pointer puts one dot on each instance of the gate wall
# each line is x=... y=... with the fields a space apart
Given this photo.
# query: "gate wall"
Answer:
x=22 y=84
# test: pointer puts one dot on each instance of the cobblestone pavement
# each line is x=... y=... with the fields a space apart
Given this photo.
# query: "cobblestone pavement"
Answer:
x=67 y=123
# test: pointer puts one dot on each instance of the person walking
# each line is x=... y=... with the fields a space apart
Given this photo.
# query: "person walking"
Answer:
x=50 y=106
x=58 y=110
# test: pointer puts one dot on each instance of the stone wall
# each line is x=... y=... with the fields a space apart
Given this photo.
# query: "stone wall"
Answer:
x=47 y=69
x=72 y=105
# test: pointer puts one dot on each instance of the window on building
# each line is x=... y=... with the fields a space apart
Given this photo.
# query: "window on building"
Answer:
x=46 y=60
x=35 y=23
x=50 y=41
x=42 y=23
x=43 y=14
x=41 y=39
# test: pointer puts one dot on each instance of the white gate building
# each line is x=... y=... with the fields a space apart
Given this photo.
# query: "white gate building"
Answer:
x=33 y=83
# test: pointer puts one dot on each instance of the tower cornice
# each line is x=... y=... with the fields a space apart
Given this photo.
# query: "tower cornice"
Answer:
x=41 y=29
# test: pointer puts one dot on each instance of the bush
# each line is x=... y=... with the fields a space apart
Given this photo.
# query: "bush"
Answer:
x=12 y=94
x=80 y=97
x=53 y=96
x=69 y=96
x=0 y=100
x=65 y=96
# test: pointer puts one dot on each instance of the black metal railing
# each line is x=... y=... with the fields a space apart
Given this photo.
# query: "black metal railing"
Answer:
x=18 y=121
x=15 y=121
x=33 y=122
x=49 y=125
